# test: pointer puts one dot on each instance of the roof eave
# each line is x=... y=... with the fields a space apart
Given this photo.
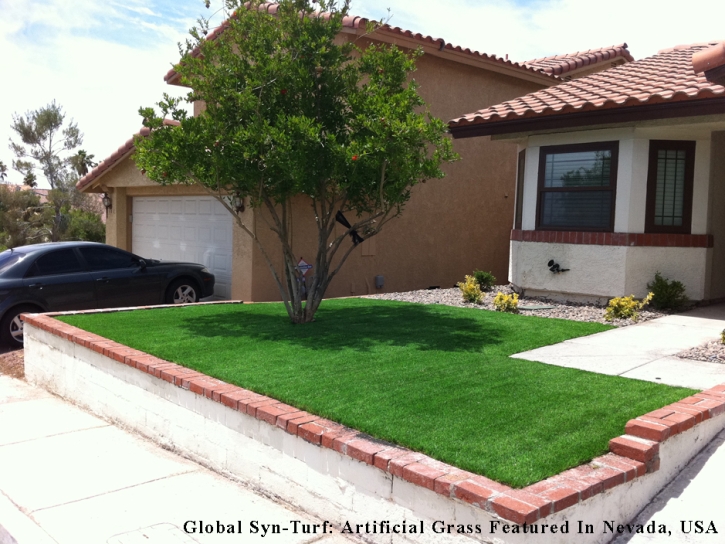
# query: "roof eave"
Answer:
x=666 y=110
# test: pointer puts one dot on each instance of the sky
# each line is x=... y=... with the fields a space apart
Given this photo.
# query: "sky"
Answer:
x=103 y=59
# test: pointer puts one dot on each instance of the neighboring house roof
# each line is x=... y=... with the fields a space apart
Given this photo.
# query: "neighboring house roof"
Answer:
x=121 y=153
x=360 y=23
x=661 y=86
x=567 y=65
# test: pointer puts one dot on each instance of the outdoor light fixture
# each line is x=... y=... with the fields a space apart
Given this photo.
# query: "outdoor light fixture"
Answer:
x=555 y=268
x=238 y=204
x=106 y=199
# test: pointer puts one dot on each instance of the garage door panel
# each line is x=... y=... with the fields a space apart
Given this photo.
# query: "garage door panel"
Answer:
x=179 y=229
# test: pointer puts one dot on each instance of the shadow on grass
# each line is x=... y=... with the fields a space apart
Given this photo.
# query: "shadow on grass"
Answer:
x=360 y=327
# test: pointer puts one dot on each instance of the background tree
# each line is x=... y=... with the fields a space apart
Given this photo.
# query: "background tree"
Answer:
x=3 y=172
x=47 y=143
x=22 y=219
x=82 y=162
x=291 y=111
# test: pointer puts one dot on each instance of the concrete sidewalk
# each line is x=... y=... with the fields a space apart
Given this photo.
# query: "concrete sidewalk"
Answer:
x=68 y=477
x=695 y=495
x=645 y=351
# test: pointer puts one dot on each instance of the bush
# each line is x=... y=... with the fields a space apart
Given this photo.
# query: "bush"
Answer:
x=722 y=337
x=470 y=290
x=506 y=303
x=668 y=295
x=485 y=280
x=625 y=307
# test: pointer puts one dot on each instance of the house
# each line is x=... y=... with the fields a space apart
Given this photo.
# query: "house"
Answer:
x=620 y=174
x=448 y=228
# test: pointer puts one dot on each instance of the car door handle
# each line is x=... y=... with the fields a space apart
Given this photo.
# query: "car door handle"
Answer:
x=104 y=279
x=36 y=285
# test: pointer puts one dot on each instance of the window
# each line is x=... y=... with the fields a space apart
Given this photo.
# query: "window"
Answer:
x=669 y=187
x=518 y=218
x=577 y=186
x=102 y=258
x=62 y=261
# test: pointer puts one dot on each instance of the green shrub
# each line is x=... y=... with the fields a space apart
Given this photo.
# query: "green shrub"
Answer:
x=722 y=337
x=485 y=280
x=506 y=303
x=668 y=295
x=470 y=290
x=625 y=307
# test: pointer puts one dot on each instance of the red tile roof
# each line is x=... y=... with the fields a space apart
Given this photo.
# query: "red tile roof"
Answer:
x=111 y=161
x=559 y=65
x=354 y=22
x=665 y=78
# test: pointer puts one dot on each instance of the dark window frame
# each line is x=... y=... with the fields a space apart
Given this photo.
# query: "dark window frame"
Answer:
x=519 y=204
x=613 y=147
x=689 y=146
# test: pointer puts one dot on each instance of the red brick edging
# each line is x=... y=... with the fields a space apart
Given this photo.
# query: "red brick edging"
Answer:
x=631 y=455
x=613 y=238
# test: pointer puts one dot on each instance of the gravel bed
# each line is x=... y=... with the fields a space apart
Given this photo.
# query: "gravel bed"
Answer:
x=712 y=352
x=561 y=310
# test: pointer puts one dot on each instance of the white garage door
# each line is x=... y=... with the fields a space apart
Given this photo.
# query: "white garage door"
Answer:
x=186 y=228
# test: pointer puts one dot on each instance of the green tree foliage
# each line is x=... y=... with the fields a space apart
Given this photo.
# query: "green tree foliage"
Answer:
x=21 y=217
x=291 y=110
x=47 y=143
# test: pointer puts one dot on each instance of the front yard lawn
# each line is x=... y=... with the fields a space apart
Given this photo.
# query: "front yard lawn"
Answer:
x=436 y=379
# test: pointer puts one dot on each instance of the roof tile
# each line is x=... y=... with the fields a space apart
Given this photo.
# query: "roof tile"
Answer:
x=665 y=77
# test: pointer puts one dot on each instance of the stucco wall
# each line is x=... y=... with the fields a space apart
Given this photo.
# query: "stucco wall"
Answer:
x=606 y=271
x=450 y=226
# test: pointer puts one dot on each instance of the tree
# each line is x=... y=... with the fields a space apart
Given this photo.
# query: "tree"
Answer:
x=3 y=172
x=48 y=143
x=290 y=111
x=82 y=162
x=21 y=218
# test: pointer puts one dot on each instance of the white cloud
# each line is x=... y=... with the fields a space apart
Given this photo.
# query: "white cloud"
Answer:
x=101 y=61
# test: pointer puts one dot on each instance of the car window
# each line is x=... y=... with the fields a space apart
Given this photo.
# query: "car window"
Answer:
x=103 y=258
x=62 y=261
x=8 y=259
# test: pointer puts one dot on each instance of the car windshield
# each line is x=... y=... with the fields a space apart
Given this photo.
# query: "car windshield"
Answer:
x=8 y=259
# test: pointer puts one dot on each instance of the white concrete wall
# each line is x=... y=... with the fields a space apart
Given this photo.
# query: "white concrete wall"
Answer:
x=318 y=480
x=605 y=271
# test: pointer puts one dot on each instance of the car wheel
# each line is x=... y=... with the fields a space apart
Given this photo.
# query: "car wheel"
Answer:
x=182 y=292
x=11 y=327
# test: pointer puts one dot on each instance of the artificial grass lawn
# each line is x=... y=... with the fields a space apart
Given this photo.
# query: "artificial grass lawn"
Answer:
x=436 y=379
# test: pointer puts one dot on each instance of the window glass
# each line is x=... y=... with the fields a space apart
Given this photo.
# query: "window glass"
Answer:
x=669 y=186
x=576 y=187
x=670 y=191
x=9 y=258
x=577 y=210
x=578 y=169
x=103 y=258
x=62 y=261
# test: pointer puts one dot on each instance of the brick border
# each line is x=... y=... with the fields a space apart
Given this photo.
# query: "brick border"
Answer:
x=632 y=455
x=613 y=238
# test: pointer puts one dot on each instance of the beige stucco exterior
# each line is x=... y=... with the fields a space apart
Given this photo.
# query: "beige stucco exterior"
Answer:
x=448 y=228
x=603 y=271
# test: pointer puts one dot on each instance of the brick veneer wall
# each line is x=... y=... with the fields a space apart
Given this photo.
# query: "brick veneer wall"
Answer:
x=631 y=455
x=613 y=238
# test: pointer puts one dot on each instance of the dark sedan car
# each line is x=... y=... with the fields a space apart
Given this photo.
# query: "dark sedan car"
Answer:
x=82 y=275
